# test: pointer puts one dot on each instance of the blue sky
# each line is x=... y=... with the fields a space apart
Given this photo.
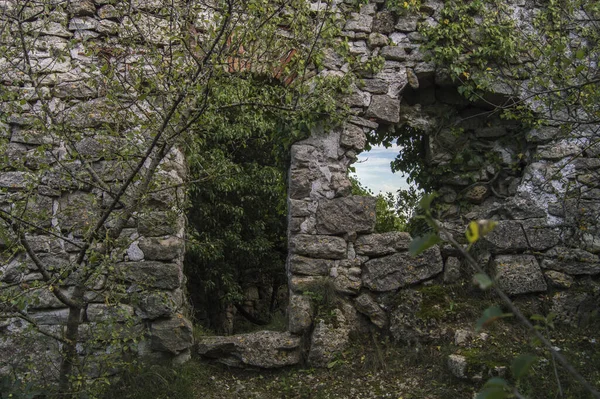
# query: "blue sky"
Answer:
x=373 y=170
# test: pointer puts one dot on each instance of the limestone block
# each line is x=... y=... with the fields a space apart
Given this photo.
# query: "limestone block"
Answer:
x=359 y=23
x=346 y=276
x=318 y=246
x=172 y=335
x=155 y=248
x=366 y=305
x=308 y=266
x=518 y=274
x=152 y=224
x=382 y=244
x=377 y=40
x=98 y=312
x=383 y=22
x=353 y=137
x=508 y=235
x=406 y=24
x=558 y=279
x=572 y=261
x=13 y=180
x=302 y=208
x=375 y=86
x=264 y=349
x=108 y=12
x=81 y=8
x=384 y=108
x=452 y=270
x=328 y=339
x=300 y=314
x=400 y=270
x=83 y=23
x=151 y=274
x=395 y=53
x=300 y=284
x=457 y=364
x=50 y=317
x=157 y=304
x=47 y=28
x=346 y=214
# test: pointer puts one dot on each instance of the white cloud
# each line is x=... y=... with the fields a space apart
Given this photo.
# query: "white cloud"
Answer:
x=374 y=172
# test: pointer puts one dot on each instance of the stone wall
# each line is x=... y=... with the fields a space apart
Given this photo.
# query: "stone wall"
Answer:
x=68 y=150
x=538 y=246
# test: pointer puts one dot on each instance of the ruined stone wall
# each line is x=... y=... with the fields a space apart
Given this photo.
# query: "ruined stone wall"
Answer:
x=68 y=149
x=540 y=185
x=332 y=247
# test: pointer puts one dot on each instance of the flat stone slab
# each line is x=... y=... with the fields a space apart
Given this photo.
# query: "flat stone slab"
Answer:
x=347 y=214
x=519 y=274
x=264 y=349
x=400 y=270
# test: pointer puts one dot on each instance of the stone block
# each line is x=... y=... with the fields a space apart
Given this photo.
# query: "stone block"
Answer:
x=329 y=338
x=518 y=274
x=263 y=349
x=400 y=270
x=383 y=22
x=151 y=274
x=155 y=248
x=382 y=244
x=384 y=108
x=318 y=246
x=508 y=235
x=172 y=335
x=300 y=314
x=359 y=23
x=366 y=305
x=452 y=270
x=572 y=261
x=346 y=214
x=308 y=266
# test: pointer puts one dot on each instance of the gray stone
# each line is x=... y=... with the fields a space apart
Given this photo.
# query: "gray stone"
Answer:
x=300 y=314
x=452 y=270
x=572 y=261
x=329 y=339
x=395 y=53
x=134 y=253
x=81 y=8
x=108 y=11
x=413 y=79
x=157 y=304
x=383 y=22
x=375 y=86
x=457 y=364
x=346 y=276
x=77 y=212
x=405 y=24
x=264 y=349
x=576 y=309
x=508 y=235
x=99 y=312
x=518 y=274
x=151 y=274
x=173 y=335
x=377 y=40
x=359 y=23
x=83 y=23
x=382 y=244
x=318 y=246
x=557 y=151
x=50 y=317
x=400 y=270
x=13 y=180
x=542 y=134
x=346 y=214
x=353 y=137
x=539 y=236
x=308 y=266
x=558 y=279
x=406 y=326
x=366 y=305
x=155 y=248
x=152 y=224
x=301 y=284
x=89 y=148
x=384 y=108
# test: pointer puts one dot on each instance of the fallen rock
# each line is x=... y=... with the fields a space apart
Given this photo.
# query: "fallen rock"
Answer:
x=264 y=349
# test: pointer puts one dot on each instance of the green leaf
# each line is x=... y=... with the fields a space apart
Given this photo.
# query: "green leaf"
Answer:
x=421 y=244
x=521 y=365
x=483 y=280
x=492 y=393
x=580 y=54
x=490 y=315
x=496 y=382
x=425 y=202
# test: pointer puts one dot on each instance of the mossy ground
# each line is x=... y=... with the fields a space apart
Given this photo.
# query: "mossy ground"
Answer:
x=375 y=367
